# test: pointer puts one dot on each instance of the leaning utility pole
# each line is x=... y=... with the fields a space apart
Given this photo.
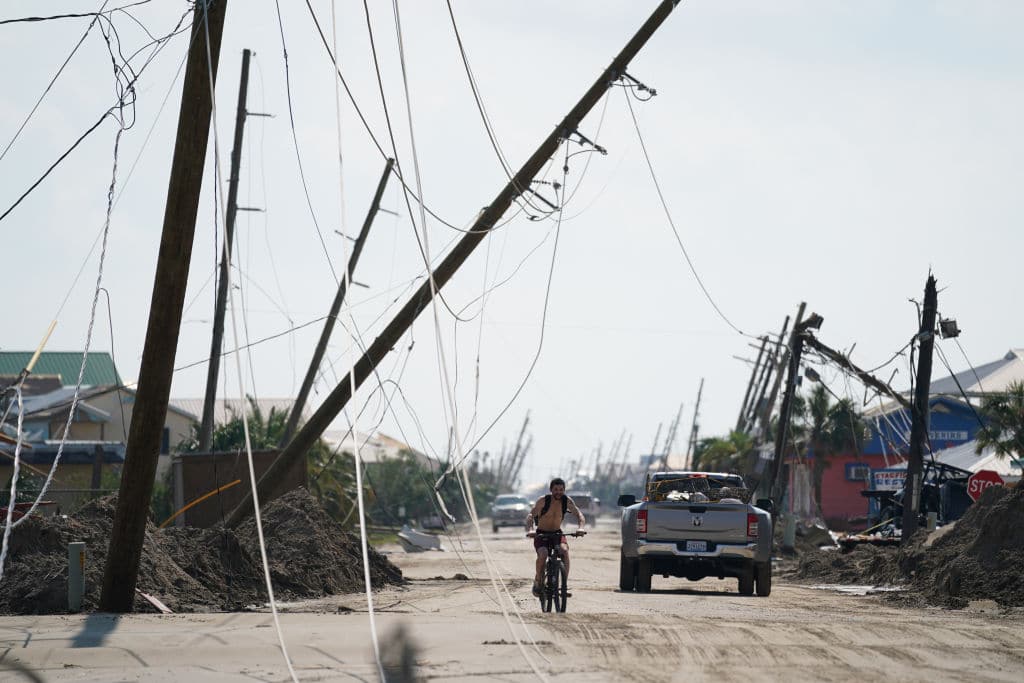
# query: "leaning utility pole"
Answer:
x=758 y=402
x=769 y=406
x=919 y=425
x=213 y=368
x=741 y=421
x=691 y=444
x=796 y=349
x=321 y=348
x=381 y=346
x=175 y=255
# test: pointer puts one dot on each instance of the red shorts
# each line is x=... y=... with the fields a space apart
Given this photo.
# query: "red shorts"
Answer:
x=540 y=542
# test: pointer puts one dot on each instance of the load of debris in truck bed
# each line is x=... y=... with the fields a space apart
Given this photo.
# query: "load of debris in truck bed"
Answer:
x=192 y=569
x=980 y=557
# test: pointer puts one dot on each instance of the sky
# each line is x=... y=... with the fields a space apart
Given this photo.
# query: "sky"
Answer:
x=826 y=152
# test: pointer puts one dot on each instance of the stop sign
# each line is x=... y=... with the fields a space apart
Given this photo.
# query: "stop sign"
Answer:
x=981 y=480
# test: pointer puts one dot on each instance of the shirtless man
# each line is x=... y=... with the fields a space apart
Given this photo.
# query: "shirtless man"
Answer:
x=547 y=514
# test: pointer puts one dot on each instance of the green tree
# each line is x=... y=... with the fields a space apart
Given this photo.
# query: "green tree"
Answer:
x=733 y=453
x=1003 y=415
x=831 y=429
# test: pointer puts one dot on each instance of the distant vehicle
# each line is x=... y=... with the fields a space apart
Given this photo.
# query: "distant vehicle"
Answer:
x=432 y=522
x=587 y=504
x=694 y=525
x=509 y=510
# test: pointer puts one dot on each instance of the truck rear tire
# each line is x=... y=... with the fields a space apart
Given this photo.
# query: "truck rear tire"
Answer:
x=627 y=574
x=746 y=582
x=643 y=576
x=763 y=575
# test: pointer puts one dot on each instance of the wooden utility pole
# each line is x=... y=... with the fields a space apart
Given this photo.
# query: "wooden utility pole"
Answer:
x=325 y=336
x=919 y=425
x=769 y=406
x=796 y=349
x=175 y=255
x=670 y=438
x=213 y=368
x=757 y=408
x=509 y=465
x=741 y=421
x=691 y=444
x=381 y=346
x=868 y=379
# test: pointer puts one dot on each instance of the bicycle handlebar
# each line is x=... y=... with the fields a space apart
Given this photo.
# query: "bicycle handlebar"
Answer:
x=578 y=533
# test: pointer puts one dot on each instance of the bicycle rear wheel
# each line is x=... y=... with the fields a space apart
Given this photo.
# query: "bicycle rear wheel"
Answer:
x=562 y=593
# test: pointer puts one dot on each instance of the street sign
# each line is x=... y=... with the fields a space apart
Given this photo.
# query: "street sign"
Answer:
x=981 y=480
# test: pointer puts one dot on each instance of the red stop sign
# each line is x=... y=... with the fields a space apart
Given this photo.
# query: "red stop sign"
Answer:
x=981 y=480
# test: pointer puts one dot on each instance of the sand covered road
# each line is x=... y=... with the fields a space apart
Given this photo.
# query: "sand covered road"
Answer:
x=453 y=629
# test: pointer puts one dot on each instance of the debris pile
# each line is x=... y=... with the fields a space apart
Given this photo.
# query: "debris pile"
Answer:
x=193 y=569
x=980 y=558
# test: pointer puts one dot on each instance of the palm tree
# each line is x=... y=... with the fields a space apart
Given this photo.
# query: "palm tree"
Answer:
x=728 y=454
x=1003 y=415
x=832 y=428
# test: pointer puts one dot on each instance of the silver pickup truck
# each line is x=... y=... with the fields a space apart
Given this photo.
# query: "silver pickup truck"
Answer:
x=695 y=525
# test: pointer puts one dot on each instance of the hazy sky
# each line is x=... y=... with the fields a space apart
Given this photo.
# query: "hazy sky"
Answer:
x=830 y=152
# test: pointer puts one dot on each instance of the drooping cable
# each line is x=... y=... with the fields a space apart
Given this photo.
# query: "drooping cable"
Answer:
x=88 y=334
x=9 y=517
x=238 y=363
x=671 y=222
x=295 y=141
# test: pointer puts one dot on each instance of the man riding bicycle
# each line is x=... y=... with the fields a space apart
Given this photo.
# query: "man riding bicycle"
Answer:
x=547 y=514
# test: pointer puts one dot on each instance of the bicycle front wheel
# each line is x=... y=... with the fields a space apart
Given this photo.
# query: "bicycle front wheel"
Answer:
x=562 y=590
x=548 y=587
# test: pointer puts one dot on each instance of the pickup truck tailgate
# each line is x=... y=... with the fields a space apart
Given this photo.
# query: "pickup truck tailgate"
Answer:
x=715 y=522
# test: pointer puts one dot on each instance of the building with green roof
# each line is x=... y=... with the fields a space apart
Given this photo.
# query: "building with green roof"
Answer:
x=99 y=367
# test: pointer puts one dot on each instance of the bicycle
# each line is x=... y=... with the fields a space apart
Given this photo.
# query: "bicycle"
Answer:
x=554 y=581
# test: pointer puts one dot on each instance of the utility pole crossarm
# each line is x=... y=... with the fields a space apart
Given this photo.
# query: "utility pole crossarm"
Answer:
x=845 y=363
x=213 y=369
x=295 y=414
x=335 y=402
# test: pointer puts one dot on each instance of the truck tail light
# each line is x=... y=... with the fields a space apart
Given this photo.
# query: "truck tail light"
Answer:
x=641 y=522
x=751 y=525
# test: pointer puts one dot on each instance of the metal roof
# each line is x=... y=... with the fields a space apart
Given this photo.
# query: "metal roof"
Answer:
x=225 y=410
x=964 y=457
x=994 y=376
x=99 y=367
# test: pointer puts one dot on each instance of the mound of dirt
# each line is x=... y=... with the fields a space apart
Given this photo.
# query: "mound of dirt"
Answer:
x=980 y=558
x=193 y=569
x=864 y=565
x=35 y=579
x=308 y=555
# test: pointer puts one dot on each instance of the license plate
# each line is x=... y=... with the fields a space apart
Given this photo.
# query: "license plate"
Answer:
x=696 y=546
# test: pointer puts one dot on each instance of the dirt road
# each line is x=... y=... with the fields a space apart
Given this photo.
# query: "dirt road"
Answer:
x=453 y=629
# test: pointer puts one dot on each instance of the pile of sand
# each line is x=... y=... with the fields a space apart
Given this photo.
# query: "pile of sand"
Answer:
x=193 y=569
x=980 y=558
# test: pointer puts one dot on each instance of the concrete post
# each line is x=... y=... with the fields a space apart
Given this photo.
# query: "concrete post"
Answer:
x=76 y=575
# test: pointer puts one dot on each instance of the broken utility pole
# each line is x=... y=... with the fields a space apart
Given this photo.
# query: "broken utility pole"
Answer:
x=321 y=348
x=792 y=380
x=919 y=424
x=213 y=369
x=157 y=367
x=335 y=402
x=845 y=363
